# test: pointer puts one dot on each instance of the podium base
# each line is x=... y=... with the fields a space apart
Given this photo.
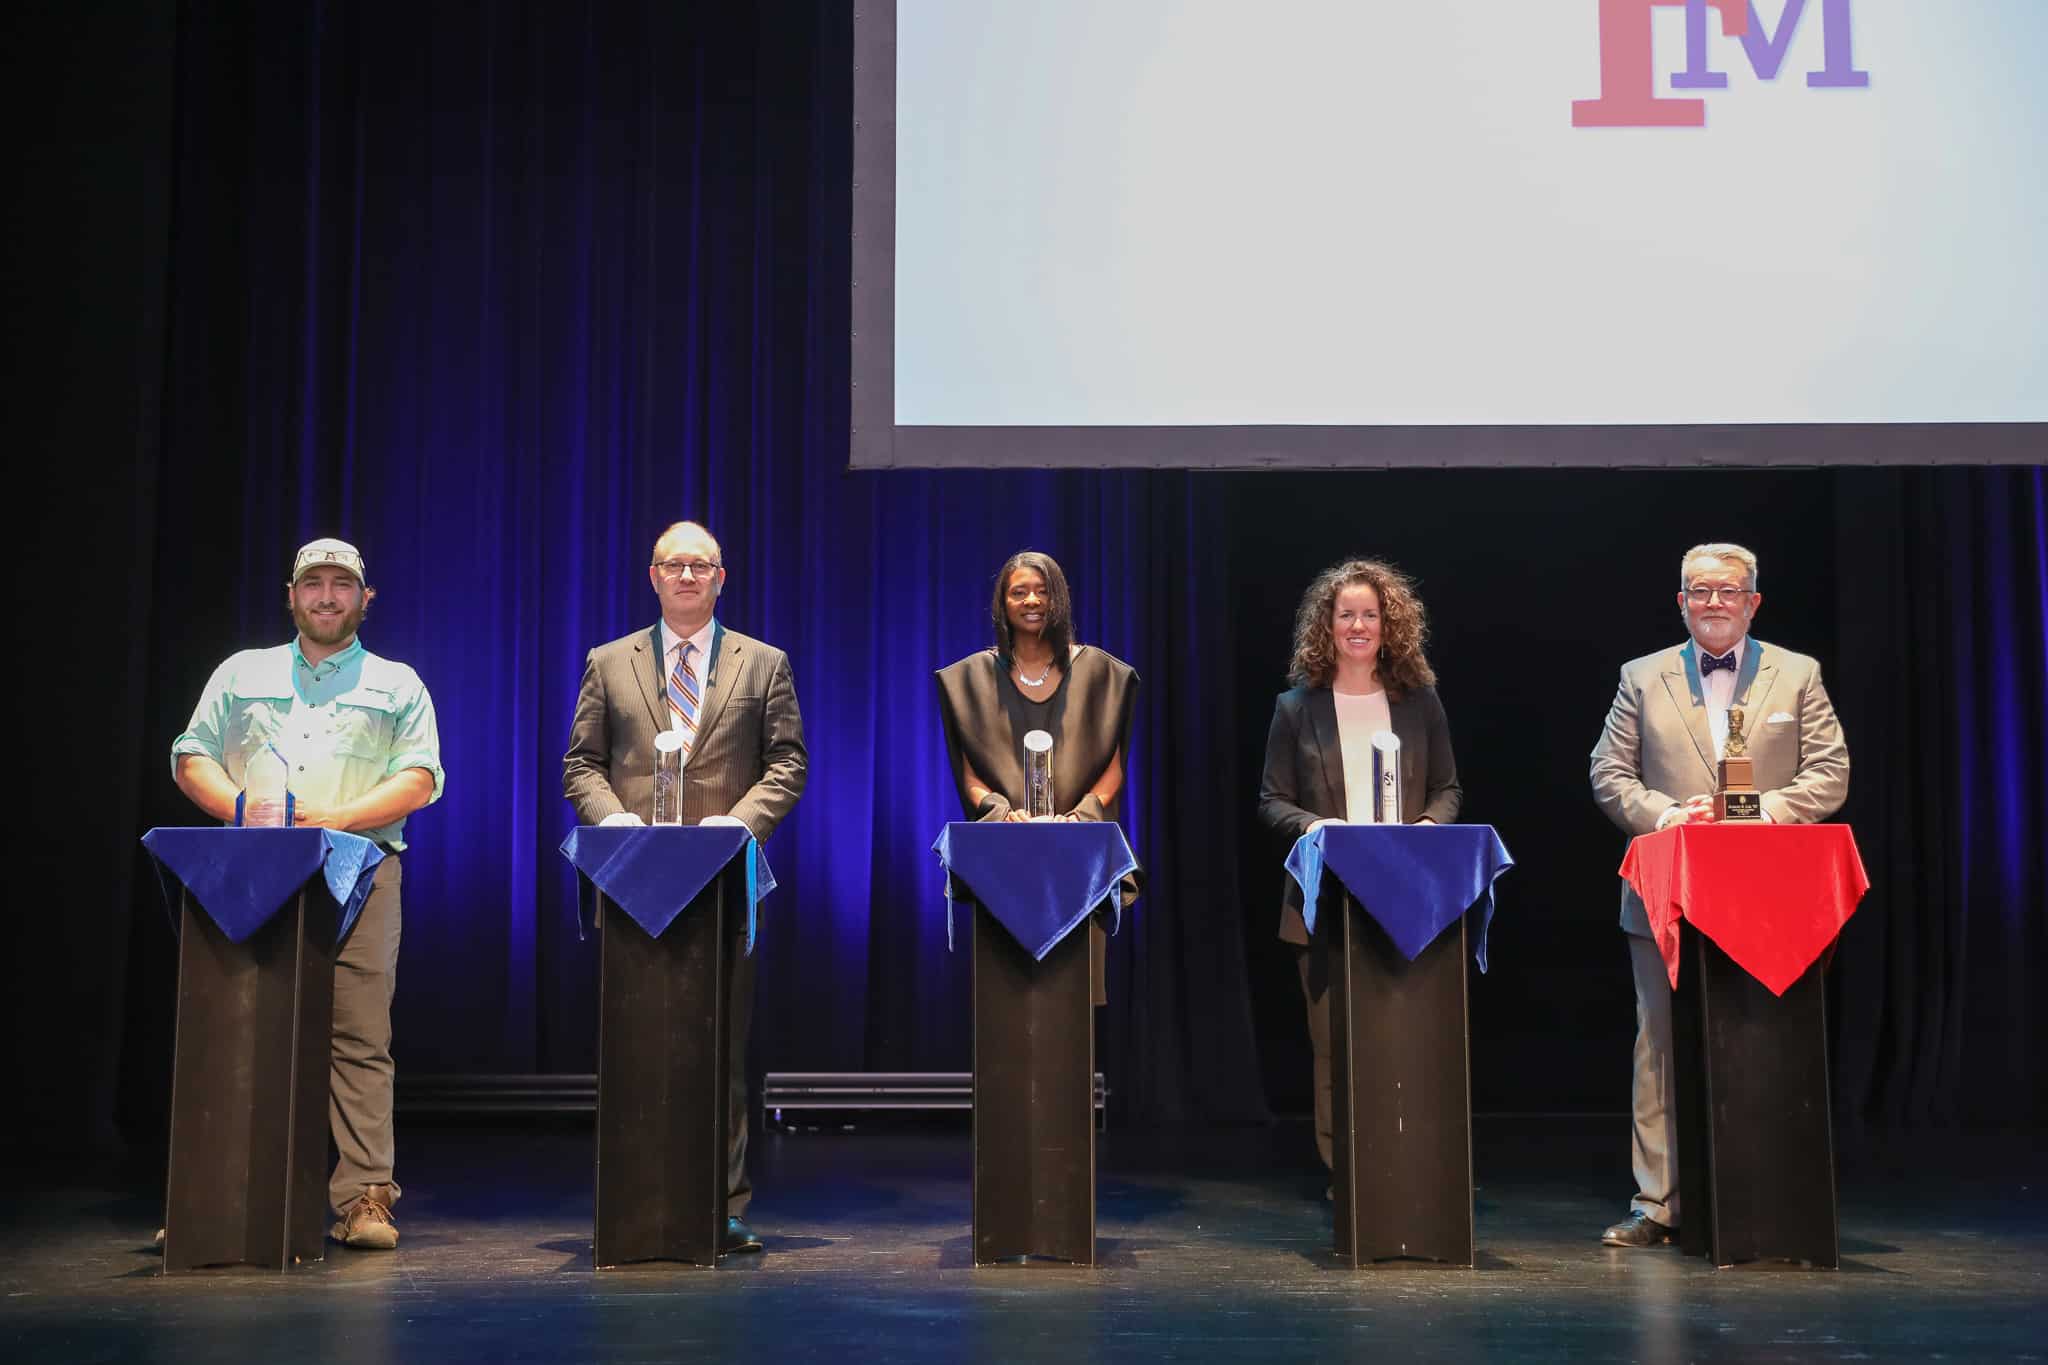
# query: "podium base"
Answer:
x=249 y=1082
x=1755 y=1138
x=664 y=1076
x=1034 y=1098
x=1400 y=1096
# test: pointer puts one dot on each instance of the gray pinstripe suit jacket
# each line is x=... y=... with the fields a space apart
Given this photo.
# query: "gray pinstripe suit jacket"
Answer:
x=749 y=761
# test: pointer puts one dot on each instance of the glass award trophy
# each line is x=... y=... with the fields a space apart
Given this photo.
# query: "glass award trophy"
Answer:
x=1386 y=778
x=265 y=801
x=1038 y=775
x=668 y=778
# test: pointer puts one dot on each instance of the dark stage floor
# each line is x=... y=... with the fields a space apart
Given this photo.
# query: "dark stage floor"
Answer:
x=1215 y=1247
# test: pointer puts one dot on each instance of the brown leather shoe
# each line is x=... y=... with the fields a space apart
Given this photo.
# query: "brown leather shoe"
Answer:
x=366 y=1224
x=1638 y=1230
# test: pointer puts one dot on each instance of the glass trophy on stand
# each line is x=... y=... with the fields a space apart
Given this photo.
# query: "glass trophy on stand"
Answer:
x=668 y=778
x=1038 y=775
x=1386 y=778
x=265 y=801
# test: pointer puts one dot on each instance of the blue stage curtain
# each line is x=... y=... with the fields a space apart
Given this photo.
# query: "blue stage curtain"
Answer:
x=497 y=294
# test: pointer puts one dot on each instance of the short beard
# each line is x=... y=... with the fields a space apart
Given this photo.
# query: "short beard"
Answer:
x=312 y=627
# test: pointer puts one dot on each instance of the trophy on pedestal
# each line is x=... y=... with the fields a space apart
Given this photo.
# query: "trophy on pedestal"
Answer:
x=668 y=778
x=1735 y=795
x=1038 y=775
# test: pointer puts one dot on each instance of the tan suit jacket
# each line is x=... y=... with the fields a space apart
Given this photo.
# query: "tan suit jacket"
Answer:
x=1657 y=749
x=749 y=761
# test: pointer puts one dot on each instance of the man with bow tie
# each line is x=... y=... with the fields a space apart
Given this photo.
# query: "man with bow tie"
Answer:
x=1654 y=766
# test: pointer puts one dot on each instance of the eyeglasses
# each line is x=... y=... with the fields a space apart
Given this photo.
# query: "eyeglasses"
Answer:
x=673 y=569
x=1701 y=595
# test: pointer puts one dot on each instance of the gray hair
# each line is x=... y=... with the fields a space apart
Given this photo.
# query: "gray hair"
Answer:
x=1719 y=550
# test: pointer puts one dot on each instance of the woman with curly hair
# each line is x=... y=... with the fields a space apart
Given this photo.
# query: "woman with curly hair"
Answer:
x=1358 y=668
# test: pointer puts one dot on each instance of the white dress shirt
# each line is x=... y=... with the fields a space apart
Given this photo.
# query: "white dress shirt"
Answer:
x=1718 y=688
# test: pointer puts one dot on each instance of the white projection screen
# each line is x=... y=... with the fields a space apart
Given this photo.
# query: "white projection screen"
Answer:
x=1331 y=233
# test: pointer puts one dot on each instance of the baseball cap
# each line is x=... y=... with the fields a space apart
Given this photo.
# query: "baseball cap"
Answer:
x=328 y=550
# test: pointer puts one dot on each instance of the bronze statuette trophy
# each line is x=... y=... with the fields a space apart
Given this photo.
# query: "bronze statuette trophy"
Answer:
x=1735 y=794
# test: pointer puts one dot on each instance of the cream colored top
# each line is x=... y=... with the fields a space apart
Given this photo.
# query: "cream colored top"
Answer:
x=1359 y=718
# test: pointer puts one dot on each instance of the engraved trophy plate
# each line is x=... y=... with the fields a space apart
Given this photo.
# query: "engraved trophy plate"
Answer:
x=1736 y=798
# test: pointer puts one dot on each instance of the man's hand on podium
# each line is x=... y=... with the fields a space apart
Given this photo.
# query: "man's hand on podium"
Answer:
x=1697 y=810
x=732 y=821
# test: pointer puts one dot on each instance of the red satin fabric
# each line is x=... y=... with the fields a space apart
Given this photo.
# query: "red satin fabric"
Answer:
x=1772 y=897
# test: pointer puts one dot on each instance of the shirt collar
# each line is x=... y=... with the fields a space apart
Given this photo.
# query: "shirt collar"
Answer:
x=1700 y=651
x=330 y=665
x=702 y=639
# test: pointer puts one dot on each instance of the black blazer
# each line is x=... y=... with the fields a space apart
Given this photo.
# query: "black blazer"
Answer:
x=1303 y=780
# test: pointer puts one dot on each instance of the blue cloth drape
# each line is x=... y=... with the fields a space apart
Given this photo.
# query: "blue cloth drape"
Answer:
x=1039 y=879
x=241 y=877
x=1414 y=880
x=653 y=872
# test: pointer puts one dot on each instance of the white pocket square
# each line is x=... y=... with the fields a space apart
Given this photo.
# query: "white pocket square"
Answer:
x=1778 y=718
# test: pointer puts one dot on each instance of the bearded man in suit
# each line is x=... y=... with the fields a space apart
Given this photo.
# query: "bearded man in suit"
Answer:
x=734 y=702
x=1654 y=766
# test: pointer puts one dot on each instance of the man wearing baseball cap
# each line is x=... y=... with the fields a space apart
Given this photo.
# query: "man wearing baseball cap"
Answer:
x=358 y=737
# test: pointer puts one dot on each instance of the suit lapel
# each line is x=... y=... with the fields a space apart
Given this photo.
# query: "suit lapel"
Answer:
x=1682 y=681
x=1322 y=711
x=1757 y=674
x=647 y=672
x=725 y=651
x=1406 y=718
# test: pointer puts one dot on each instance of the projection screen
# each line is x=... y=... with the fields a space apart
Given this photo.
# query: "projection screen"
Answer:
x=1317 y=233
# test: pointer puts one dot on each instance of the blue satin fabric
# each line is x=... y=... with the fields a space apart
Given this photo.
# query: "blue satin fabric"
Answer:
x=1414 y=880
x=1039 y=879
x=241 y=877
x=653 y=872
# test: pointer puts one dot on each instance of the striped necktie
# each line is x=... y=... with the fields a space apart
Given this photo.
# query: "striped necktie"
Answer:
x=683 y=695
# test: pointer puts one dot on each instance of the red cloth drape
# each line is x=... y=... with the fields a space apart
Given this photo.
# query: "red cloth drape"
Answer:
x=1772 y=897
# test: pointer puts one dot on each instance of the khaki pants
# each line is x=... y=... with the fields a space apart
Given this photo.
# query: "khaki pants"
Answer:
x=360 y=1071
x=1654 y=1150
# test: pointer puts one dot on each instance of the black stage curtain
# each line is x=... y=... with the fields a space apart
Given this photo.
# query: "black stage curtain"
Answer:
x=498 y=292
x=1942 y=603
